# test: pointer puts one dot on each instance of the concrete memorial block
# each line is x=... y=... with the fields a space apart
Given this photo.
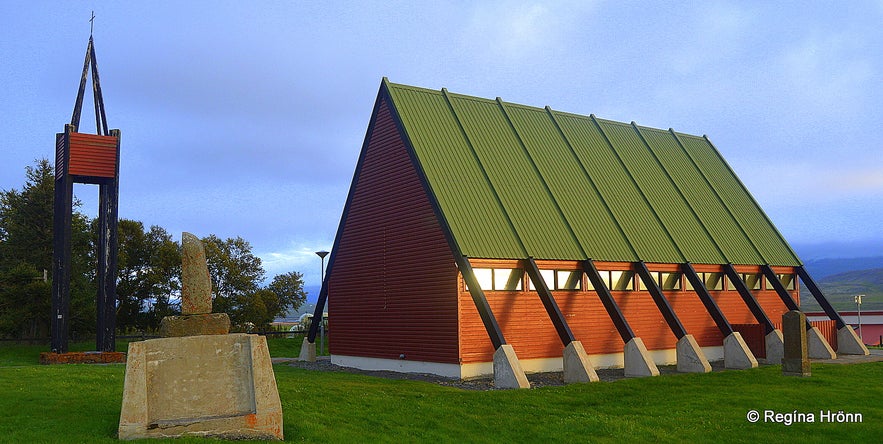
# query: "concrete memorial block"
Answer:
x=577 y=366
x=818 y=346
x=508 y=373
x=736 y=353
x=775 y=347
x=691 y=359
x=210 y=385
x=796 y=360
x=848 y=342
x=198 y=380
x=637 y=360
x=307 y=351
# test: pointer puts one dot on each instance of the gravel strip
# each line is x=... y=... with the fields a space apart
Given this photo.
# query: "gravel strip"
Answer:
x=549 y=379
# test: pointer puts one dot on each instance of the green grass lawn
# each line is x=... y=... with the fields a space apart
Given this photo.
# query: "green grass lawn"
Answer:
x=81 y=403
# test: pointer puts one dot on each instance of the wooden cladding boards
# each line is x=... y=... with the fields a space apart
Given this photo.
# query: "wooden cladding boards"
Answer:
x=393 y=286
x=527 y=327
x=86 y=156
x=92 y=155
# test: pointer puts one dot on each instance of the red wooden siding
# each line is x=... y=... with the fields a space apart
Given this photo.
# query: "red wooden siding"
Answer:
x=393 y=284
x=92 y=155
x=527 y=327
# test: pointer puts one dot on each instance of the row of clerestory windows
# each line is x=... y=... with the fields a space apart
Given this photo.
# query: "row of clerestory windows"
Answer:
x=512 y=279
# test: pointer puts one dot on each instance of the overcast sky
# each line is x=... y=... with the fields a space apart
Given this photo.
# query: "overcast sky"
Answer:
x=246 y=118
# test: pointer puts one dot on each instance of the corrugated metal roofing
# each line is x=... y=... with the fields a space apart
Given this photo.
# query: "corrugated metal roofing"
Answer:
x=514 y=181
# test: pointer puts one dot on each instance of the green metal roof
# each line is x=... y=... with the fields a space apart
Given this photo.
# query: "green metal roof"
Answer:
x=514 y=181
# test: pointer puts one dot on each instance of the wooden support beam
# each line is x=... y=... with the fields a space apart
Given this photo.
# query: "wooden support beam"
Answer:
x=622 y=326
x=318 y=313
x=749 y=299
x=780 y=290
x=661 y=302
x=481 y=303
x=820 y=298
x=549 y=303
x=61 y=255
x=699 y=287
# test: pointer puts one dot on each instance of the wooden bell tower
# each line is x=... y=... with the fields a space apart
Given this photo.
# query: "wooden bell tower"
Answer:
x=90 y=159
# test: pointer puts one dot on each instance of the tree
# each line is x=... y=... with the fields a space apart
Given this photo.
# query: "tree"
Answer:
x=26 y=244
x=149 y=271
x=289 y=289
x=236 y=274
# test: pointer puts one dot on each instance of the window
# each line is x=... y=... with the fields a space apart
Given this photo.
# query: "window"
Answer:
x=670 y=281
x=507 y=279
x=548 y=277
x=498 y=278
x=622 y=280
x=568 y=280
x=485 y=278
x=560 y=279
x=787 y=281
x=713 y=281
x=752 y=280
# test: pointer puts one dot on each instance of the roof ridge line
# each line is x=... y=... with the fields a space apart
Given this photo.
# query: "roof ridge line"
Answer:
x=753 y=201
x=717 y=195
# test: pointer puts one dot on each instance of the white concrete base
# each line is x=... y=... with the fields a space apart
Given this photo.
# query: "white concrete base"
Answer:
x=637 y=359
x=817 y=346
x=577 y=367
x=690 y=356
x=736 y=353
x=848 y=342
x=507 y=370
x=307 y=351
x=775 y=347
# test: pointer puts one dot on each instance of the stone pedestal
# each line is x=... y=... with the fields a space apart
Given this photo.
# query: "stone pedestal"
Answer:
x=736 y=353
x=307 y=351
x=212 y=385
x=194 y=325
x=691 y=359
x=848 y=342
x=577 y=366
x=636 y=359
x=796 y=360
x=775 y=347
x=818 y=347
x=508 y=373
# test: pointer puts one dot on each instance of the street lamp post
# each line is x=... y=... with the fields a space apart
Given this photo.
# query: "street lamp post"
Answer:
x=322 y=254
x=858 y=304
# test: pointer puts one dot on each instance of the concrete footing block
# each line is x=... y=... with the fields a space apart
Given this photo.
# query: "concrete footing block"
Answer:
x=508 y=373
x=737 y=355
x=691 y=359
x=637 y=360
x=307 y=351
x=817 y=346
x=775 y=347
x=577 y=366
x=848 y=342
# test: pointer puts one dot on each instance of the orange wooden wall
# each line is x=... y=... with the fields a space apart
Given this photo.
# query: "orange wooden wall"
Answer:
x=93 y=155
x=527 y=327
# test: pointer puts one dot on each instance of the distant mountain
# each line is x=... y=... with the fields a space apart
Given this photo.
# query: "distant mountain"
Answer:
x=823 y=267
x=841 y=288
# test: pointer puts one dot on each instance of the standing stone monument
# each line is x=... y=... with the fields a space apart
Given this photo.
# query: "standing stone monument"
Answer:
x=796 y=360
x=198 y=380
